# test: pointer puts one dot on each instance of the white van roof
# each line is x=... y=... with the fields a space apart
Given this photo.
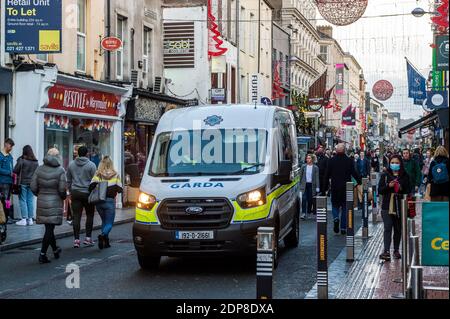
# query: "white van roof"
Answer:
x=224 y=116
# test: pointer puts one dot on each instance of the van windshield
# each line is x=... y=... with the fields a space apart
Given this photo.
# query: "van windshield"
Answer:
x=209 y=152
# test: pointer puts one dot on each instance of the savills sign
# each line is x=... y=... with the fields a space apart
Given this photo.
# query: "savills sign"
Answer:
x=73 y=99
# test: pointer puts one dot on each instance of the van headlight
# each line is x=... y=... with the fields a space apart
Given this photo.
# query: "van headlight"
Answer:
x=146 y=201
x=253 y=198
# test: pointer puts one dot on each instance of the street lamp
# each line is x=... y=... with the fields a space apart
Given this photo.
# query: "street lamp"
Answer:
x=418 y=12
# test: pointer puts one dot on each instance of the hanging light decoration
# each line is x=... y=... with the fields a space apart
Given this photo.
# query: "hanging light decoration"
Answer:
x=341 y=12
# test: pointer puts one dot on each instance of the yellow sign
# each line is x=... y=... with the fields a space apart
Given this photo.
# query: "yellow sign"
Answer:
x=49 y=40
x=322 y=247
x=350 y=219
x=439 y=244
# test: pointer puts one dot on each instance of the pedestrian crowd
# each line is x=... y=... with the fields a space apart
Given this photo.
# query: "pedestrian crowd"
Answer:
x=401 y=173
x=84 y=186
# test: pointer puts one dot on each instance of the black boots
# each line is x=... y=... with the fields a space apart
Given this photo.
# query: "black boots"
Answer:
x=43 y=259
x=103 y=242
x=57 y=252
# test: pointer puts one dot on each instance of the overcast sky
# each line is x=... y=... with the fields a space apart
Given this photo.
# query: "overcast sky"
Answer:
x=380 y=45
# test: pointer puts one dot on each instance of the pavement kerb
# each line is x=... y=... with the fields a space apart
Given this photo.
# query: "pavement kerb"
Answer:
x=61 y=235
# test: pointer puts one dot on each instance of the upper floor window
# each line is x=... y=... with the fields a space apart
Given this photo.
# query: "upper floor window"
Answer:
x=121 y=33
x=146 y=50
x=81 y=36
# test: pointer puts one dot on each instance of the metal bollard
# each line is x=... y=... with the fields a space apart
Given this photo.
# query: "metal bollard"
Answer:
x=412 y=227
x=374 y=179
x=404 y=279
x=264 y=262
x=416 y=251
x=322 y=248
x=417 y=291
x=350 y=225
x=365 y=209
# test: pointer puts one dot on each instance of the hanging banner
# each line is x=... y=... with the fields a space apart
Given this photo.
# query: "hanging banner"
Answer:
x=349 y=116
x=435 y=234
x=317 y=93
x=340 y=79
x=215 y=43
x=416 y=84
x=33 y=27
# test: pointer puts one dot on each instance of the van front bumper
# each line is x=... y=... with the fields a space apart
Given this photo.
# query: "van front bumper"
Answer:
x=236 y=239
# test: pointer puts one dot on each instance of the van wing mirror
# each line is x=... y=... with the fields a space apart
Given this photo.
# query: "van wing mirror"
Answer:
x=284 y=172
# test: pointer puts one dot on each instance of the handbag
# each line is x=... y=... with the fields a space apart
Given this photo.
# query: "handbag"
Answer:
x=15 y=188
x=2 y=215
x=98 y=194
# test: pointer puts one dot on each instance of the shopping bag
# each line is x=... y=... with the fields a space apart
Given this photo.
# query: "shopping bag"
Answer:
x=98 y=194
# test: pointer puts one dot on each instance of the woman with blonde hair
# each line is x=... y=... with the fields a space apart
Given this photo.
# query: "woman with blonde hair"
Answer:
x=107 y=208
x=438 y=176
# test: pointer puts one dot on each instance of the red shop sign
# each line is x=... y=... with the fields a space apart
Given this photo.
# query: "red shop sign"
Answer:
x=111 y=44
x=66 y=98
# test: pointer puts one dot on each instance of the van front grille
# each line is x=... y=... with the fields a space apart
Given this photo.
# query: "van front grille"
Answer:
x=216 y=213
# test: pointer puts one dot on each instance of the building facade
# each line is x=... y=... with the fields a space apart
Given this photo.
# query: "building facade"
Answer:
x=281 y=60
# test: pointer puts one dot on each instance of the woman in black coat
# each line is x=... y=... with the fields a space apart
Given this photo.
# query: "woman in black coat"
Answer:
x=393 y=184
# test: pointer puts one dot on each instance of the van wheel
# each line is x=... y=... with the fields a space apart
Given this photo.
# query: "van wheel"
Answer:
x=293 y=239
x=149 y=262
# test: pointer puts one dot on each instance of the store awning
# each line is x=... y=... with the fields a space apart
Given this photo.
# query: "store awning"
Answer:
x=425 y=121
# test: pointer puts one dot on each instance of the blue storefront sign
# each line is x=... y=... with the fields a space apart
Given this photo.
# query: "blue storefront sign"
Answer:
x=33 y=26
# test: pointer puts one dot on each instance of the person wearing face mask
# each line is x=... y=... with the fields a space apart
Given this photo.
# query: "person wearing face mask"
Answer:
x=375 y=162
x=393 y=184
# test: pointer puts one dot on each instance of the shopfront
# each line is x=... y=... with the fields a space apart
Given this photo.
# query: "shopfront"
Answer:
x=5 y=93
x=66 y=112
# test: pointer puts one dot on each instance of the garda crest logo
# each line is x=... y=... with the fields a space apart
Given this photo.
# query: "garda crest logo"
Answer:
x=213 y=120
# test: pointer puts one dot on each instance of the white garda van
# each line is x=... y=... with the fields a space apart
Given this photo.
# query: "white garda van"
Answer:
x=214 y=175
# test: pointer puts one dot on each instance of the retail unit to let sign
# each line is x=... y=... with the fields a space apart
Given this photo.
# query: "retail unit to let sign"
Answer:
x=435 y=234
x=33 y=27
x=72 y=99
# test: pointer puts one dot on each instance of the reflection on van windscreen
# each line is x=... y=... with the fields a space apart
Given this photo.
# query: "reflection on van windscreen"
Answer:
x=209 y=152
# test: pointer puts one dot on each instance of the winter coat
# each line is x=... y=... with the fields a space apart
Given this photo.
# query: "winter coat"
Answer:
x=340 y=170
x=322 y=163
x=375 y=164
x=386 y=191
x=49 y=185
x=413 y=170
x=114 y=183
x=6 y=168
x=25 y=170
x=79 y=175
x=438 y=189
x=315 y=179
x=363 y=167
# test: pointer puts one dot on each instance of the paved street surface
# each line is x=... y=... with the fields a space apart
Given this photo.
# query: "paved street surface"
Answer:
x=115 y=273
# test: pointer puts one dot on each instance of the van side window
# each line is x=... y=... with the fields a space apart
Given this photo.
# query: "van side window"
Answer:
x=286 y=153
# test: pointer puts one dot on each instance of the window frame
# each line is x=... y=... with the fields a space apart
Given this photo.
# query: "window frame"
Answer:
x=81 y=34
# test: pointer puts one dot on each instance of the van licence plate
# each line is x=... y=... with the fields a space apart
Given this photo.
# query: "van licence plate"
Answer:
x=196 y=235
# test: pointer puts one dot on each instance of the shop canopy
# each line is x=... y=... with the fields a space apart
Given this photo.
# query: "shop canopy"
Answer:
x=423 y=122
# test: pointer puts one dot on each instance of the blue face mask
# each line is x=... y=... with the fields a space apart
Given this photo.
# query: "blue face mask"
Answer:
x=395 y=167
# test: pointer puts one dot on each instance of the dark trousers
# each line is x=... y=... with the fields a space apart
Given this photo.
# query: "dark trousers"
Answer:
x=80 y=202
x=391 y=222
x=5 y=195
x=49 y=238
x=307 y=199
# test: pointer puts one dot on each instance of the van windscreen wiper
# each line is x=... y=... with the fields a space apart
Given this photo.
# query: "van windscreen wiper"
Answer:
x=245 y=169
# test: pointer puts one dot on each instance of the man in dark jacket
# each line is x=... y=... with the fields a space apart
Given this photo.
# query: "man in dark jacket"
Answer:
x=363 y=165
x=340 y=170
x=79 y=177
x=412 y=168
x=322 y=163
x=375 y=163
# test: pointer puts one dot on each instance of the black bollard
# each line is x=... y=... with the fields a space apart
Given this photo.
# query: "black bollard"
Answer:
x=365 y=210
x=322 y=248
x=374 y=180
x=350 y=224
x=264 y=262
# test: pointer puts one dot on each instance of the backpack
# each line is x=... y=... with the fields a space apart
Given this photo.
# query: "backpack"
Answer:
x=440 y=173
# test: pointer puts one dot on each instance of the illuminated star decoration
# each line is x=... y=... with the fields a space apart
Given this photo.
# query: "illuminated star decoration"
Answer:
x=341 y=12
x=215 y=43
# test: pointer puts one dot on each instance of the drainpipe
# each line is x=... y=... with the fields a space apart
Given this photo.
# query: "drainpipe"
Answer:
x=259 y=36
x=108 y=34
x=238 y=45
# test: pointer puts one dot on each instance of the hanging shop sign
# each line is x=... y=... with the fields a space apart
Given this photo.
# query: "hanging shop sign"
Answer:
x=437 y=100
x=215 y=43
x=179 y=45
x=435 y=234
x=442 y=55
x=218 y=95
x=254 y=88
x=383 y=90
x=111 y=44
x=317 y=93
x=340 y=78
x=349 y=116
x=33 y=27
x=65 y=98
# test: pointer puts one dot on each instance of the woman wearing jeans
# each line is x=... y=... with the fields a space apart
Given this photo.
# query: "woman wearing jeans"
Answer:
x=24 y=169
x=394 y=183
x=107 y=209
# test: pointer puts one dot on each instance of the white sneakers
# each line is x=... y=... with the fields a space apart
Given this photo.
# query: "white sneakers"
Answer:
x=25 y=222
x=22 y=222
